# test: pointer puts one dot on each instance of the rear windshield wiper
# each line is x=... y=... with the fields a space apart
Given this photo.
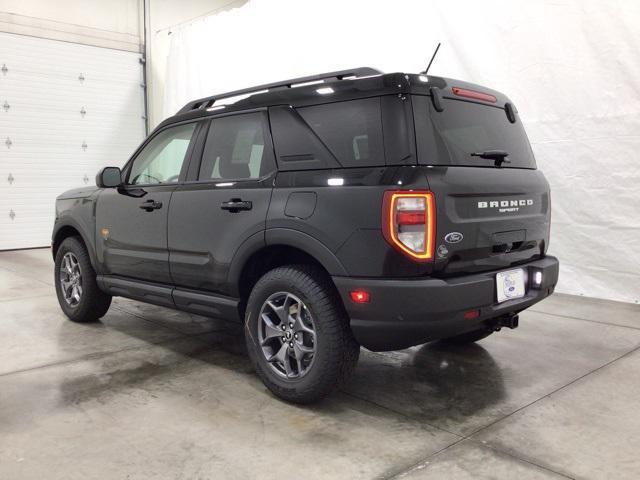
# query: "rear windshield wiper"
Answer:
x=499 y=156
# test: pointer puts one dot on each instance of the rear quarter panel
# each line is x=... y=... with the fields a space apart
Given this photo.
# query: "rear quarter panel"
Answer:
x=347 y=215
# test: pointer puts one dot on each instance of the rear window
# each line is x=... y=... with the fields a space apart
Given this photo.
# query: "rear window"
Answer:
x=463 y=128
x=351 y=130
x=235 y=149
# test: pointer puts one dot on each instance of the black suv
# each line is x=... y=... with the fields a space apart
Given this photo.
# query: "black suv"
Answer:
x=348 y=209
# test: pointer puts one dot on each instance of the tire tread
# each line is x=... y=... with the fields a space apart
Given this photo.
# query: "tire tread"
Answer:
x=343 y=353
x=94 y=303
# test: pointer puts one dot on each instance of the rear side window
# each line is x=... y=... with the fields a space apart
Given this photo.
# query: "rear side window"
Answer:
x=235 y=149
x=351 y=130
x=463 y=128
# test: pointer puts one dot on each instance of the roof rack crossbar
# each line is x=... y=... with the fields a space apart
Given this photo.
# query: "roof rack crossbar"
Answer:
x=339 y=75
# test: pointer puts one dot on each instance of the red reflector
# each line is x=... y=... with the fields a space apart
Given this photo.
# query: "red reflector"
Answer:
x=463 y=92
x=360 y=296
x=471 y=314
x=410 y=218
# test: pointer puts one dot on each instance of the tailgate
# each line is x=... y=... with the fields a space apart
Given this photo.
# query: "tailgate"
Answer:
x=488 y=218
x=492 y=204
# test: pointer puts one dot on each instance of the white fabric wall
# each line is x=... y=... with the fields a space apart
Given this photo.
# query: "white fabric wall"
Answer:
x=571 y=67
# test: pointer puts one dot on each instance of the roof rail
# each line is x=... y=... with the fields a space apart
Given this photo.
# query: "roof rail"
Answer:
x=339 y=75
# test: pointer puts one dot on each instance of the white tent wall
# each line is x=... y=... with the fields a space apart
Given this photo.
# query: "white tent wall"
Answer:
x=571 y=67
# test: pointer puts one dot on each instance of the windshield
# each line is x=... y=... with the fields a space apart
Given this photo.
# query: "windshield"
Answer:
x=464 y=128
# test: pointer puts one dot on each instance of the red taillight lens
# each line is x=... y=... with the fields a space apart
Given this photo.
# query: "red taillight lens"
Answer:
x=463 y=92
x=410 y=218
x=409 y=223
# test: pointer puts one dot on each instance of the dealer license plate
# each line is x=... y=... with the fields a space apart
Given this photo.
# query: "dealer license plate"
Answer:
x=510 y=285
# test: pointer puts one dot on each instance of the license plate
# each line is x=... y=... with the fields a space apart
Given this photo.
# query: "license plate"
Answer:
x=510 y=285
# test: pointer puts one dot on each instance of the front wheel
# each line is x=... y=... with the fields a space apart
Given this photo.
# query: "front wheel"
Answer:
x=78 y=294
x=298 y=334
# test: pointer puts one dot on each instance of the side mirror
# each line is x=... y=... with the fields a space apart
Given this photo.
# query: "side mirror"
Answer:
x=109 y=177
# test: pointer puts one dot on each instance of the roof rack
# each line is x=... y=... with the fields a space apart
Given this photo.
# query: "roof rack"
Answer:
x=339 y=75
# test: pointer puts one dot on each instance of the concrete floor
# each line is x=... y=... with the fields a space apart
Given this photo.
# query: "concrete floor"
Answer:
x=152 y=393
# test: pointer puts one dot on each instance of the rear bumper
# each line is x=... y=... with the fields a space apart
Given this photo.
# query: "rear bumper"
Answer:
x=407 y=312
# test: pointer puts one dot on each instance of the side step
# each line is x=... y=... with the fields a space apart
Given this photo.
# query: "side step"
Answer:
x=198 y=302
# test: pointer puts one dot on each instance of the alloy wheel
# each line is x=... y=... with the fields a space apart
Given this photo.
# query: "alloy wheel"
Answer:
x=287 y=335
x=71 y=279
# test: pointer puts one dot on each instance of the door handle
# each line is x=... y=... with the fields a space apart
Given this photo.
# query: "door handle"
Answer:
x=151 y=205
x=235 y=205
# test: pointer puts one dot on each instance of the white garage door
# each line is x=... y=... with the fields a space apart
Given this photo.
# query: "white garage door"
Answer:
x=66 y=110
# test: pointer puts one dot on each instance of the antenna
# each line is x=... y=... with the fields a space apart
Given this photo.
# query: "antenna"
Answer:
x=432 y=58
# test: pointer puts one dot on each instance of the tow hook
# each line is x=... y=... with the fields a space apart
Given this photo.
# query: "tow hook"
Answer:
x=510 y=321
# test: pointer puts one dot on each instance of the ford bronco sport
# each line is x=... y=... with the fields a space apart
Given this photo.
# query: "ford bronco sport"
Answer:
x=348 y=209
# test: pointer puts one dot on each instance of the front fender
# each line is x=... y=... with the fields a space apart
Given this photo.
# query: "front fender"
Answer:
x=78 y=214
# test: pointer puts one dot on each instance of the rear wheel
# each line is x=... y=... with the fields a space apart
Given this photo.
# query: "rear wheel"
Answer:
x=298 y=334
x=78 y=294
x=469 y=337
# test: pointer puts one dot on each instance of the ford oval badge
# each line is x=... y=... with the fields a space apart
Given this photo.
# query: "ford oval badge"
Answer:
x=453 y=237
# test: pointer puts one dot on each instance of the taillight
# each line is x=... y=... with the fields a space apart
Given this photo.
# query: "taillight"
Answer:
x=409 y=223
x=464 y=92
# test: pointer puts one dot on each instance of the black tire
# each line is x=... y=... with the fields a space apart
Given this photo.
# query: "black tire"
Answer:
x=469 y=337
x=93 y=303
x=336 y=351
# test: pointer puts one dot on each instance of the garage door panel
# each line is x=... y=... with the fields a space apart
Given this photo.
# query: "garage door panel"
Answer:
x=53 y=59
x=33 y=123
x=114 y=154
x=78 y=75
x=53 y=162
x=69 y=83
x=52 y=146
x=79 y=109
x=65 y=179
x=60 y=97
x=56 y=124
x=68 y=144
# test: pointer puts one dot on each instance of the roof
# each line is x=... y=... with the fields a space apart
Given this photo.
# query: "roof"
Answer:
x=361 y=82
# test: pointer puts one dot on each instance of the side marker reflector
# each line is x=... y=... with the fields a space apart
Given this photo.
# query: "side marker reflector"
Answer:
x=471 y=314
x=360 y=296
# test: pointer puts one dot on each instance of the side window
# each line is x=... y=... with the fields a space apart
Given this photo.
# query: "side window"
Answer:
x=351 y=130
x=235 y=149
x=160 y=161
